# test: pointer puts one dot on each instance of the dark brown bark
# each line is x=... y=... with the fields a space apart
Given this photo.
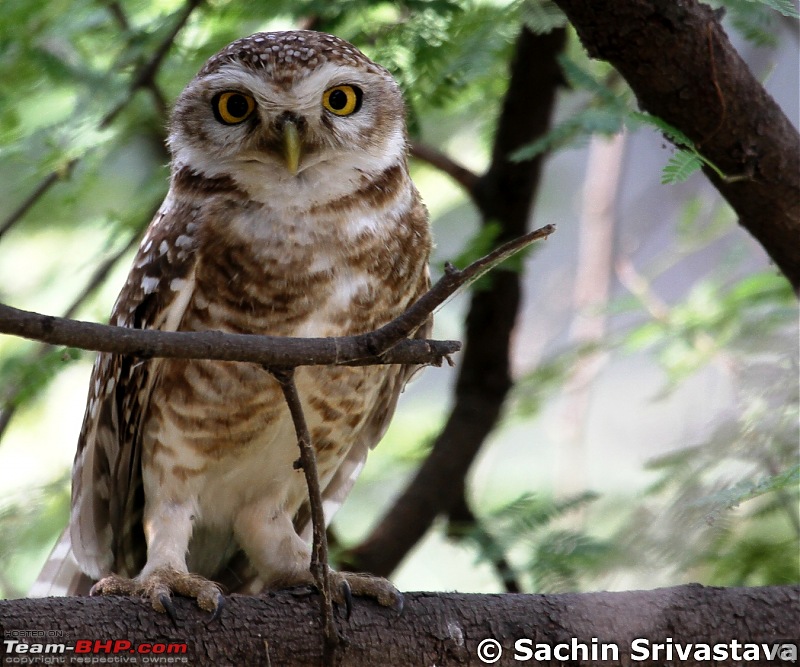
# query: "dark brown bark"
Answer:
x=435 y=628
x=265 y=350
x=678 y=60
x=504 y=195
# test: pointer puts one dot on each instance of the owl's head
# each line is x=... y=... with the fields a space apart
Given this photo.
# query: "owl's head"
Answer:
x=289 y=109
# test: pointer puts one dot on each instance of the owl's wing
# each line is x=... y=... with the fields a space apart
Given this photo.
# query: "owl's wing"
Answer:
x=107 y=492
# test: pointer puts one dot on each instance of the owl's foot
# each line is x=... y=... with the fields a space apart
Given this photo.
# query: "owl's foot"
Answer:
x=158 y=587
x=344 y=585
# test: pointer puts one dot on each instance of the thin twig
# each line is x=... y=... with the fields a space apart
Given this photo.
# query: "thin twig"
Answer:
x=274 y=351
x=383 y=346
x=448 y=284
x=44 y=185
x=319 y=548
x=118 y=13
x=460 y=174
x=145 y=74
x=463 y=524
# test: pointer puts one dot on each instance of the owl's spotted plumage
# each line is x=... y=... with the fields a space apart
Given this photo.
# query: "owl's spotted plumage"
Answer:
x=290 y=212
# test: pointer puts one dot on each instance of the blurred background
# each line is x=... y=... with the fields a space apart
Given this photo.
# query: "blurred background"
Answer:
x=651 y=435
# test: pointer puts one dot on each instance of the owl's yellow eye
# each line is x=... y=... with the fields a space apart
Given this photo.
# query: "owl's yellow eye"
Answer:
x=342 y=100
x=232 y=107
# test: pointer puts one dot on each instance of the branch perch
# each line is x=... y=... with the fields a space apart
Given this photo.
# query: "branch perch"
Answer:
x=434 y=629
x=383 y=346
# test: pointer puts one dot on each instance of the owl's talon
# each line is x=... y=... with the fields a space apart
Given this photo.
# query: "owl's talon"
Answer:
x=344 y=585
x=399 y=603
x=158 y=587
x=347 y=593
x=169 y=608
x=216 y=613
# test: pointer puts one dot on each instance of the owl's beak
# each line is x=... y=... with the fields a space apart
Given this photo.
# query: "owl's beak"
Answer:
x=292 y=148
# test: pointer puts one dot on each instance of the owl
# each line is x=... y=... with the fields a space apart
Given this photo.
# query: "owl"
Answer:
x=290 y=212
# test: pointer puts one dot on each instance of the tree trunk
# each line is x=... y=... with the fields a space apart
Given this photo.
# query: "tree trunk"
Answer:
x=678 y=60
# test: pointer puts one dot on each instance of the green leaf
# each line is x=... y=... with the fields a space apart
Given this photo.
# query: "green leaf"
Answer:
x=543 y=16
x=680 y=166
x=735 y=495
x=785 y=7
x=636 y=118
x=580 y=79
x=594 y=120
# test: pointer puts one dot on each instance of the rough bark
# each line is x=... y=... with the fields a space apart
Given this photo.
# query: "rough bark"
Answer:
x=678 y=60
x=504 y=195
x=434 y=629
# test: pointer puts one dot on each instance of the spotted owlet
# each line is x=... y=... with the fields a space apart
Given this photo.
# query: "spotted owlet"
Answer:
x=290 y=212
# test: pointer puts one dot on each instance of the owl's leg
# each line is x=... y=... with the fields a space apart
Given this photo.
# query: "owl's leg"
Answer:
x=283 y=559
x=167 y=527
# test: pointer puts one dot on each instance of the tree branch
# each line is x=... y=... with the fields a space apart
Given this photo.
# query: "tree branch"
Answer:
x=144 y=76
x=283 y=628
x=462 y=524
x=678 y=60
x=504 y=194
x=464 y=177
x=39 y=191
x=383 y=346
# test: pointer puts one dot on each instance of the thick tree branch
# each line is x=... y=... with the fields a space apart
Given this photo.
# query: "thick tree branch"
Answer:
x=678 y=60
x=504 y=194
x=464 y=177
x=435 y=628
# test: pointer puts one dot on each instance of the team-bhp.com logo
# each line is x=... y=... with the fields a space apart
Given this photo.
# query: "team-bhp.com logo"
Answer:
x=15 y=648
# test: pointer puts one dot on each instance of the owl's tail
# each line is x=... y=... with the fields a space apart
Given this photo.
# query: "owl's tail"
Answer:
x=61 y=575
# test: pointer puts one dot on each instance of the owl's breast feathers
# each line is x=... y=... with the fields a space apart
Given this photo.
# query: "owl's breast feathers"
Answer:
x=215 y=259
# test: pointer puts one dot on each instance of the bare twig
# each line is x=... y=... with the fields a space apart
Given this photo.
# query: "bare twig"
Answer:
x=460 y=174
x=118 y=13
x=319 y=548
x=145 y=74
x=44 y=185
x=383 y=346
x=448 y=284
x=273 y=351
